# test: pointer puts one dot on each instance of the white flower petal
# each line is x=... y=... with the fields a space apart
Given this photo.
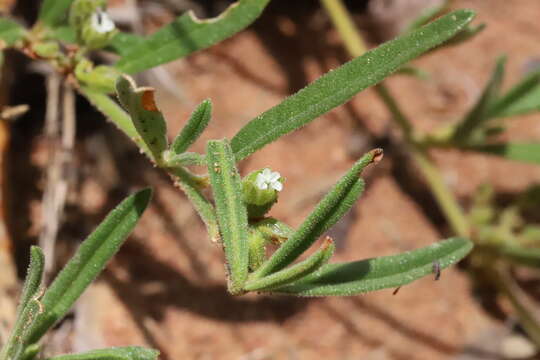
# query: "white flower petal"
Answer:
x=266 y=173
x=101 y=22
x=261 y=182
x=274 y=176
x=276 y=185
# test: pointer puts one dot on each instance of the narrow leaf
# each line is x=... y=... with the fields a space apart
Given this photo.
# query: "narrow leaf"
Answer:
x=32 y=282
x=122 y=43
x=521 y=256
x=10 y=31
x=525 y=152
x=345 y=279
x=25 y=309
x=188 y=34
x=184 y=159
x=480 y=112
x=89 y=261
x=329 y=210
x=294 y=272
x=148 y=120
x=467 y=33
x=191 y=186
x=231 y=211
x=521 y=99
x=54 y=12
x=196 y=124
x=113 y=112
x=114 y=353
x=338 y=86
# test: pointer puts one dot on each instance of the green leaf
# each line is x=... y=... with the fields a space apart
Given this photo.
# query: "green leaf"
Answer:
x=329 y=210
x=523 y=98
x=28 y=305
x=89 y=261
x=196 y=124
x=231 y=211
x=116 y=115
x=122 y=43
x=467 y=33
x=10 y=31
x=345 y=279
x=191 y=185
x=525 y=152
x=184 y=159
x=114 y=353
x=54 y=12
x=188 y=34
x=339 y=85
x=148 y=120
x=480 y=112
x=520 y=255
x=294 y=272
x=32 y=282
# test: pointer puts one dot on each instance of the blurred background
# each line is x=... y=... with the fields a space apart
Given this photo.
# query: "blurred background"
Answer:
x=166 y=288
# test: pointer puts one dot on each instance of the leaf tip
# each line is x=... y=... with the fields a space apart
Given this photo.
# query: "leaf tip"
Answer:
x=377 y=155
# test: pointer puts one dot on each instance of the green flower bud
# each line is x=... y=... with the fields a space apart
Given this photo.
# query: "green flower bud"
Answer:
x=93 y=26
x=262 y=233
x=261 y=189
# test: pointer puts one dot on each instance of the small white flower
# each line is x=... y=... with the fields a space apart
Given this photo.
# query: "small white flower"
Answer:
x=101 y=22
x=268 y=179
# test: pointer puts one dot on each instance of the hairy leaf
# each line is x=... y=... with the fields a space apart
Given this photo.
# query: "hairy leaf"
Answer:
x=89 y=261
x=114 y=353
x=294 y=272
x=196 y=124
x=231 y=211
x=339 y=85
x=188 y=34
x=122 y=43
x=28 y=306
x=345 y=279
x=148 y=120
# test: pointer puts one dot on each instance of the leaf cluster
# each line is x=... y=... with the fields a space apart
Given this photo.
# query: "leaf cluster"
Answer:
x=41 y=308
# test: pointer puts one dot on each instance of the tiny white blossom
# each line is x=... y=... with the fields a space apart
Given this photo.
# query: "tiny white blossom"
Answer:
x=101 y=22
x=268 y=179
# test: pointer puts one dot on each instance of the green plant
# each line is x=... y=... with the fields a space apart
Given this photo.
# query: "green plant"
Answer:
x=235 y=217
x=503 y=238
x=40 y=308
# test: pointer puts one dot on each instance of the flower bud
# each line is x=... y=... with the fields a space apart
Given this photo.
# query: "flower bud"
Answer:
x=261 y=189
x=93 y=26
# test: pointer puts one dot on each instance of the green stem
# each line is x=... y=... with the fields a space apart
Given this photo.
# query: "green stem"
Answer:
x=355 y=46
